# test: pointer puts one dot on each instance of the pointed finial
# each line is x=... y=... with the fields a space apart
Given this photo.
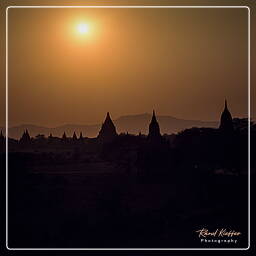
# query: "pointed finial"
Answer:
x=74 y=136
x=153 y=116
x=226 y=105
x=64 y=135
x=108 y=118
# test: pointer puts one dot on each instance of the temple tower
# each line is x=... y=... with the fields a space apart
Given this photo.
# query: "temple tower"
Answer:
x=64 y=136
x=74 y=137
x=108 y=130
x=226 y=121
x=25 y=138
x=154 y=130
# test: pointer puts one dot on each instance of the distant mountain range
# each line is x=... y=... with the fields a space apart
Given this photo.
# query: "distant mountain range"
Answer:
x=130 y=123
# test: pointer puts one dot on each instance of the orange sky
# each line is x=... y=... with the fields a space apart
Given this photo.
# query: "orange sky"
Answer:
x=181 y=62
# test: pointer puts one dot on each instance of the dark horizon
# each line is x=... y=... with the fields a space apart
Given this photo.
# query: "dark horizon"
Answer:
x=133 y=124
x=2 y=125
x=114 y=119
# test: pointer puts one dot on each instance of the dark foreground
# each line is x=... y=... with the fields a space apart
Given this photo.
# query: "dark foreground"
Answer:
x=100 y=205
x=134 y=192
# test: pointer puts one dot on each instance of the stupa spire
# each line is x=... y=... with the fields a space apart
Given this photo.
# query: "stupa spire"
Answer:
x=154 y=129
x=226 y=120
x=108 y=130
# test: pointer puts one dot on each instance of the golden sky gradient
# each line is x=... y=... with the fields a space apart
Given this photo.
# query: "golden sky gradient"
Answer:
x=181 y=62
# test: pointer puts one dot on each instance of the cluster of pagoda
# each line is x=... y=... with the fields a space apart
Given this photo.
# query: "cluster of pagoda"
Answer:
x=74 y=137
x=108 y=131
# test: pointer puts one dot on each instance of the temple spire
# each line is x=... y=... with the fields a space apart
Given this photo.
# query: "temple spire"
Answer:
x=64 y=136
x=226 y=120
x=154 y=129
x=1 y=141
x=25 y=138
x=74 y=136
x=154 y=116
x=108 y=130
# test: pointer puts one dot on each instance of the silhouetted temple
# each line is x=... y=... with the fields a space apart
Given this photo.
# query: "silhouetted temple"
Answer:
x=226 y=121
x=64 y=136
x=154 y=130
x=2 y=140
x=74 y=136
x=1 y=137
x=25 y=138
x=107 y=131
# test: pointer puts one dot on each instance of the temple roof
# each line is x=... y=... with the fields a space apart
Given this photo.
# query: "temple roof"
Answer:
x=108 y=129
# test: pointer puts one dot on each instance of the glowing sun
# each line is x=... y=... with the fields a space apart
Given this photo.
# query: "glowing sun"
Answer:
x=82 y=28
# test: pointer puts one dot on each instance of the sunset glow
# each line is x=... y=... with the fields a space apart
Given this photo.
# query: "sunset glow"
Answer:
x=100 y=59
x=82 y=28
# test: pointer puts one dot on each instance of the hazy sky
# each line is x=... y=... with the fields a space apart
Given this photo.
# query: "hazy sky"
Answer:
x=181 y=62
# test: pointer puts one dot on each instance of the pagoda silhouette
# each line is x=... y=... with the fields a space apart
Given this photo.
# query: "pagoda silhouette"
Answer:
x=226 y=121
x=74 y=138
x=108 y=130
x=81 y=136
x=25 y=138
x=154 y=134
x=1 y=136
x=2 y=141
x=64 y=137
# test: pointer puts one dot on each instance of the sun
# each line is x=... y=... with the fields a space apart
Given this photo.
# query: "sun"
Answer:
x=82 y=28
